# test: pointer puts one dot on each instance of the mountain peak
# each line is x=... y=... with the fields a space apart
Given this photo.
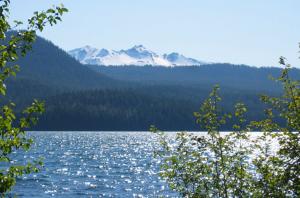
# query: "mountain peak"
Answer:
x=88 y=48
x=137 y=55
x=139 y=47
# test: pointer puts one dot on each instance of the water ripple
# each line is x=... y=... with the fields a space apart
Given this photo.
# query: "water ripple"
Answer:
x=90 y=164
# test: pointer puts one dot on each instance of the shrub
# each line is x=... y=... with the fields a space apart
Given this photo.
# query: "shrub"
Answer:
x=12 y=129
x=238 y=163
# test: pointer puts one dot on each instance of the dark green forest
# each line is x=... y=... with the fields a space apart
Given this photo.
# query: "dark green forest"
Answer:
x=87 y=97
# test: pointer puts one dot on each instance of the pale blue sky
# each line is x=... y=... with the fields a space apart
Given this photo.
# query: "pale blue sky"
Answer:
x=254 y=32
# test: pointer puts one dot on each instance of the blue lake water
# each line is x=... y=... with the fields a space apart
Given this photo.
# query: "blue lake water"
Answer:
x=93 y=164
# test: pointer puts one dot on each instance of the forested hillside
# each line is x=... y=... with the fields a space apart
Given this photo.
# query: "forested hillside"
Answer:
x=81 y=97
x=52 y=66
x=130 y=110
x=236 y=76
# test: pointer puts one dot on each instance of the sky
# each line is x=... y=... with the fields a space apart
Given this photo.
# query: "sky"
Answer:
x=248 y=32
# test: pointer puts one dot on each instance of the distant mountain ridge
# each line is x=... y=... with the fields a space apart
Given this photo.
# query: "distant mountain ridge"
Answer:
x=137 y=55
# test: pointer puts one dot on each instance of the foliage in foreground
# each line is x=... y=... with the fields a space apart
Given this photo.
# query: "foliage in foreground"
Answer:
x=12 y=129
x=238 y=164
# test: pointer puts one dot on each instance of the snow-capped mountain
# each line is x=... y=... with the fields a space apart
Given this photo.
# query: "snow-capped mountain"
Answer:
x=137 y=55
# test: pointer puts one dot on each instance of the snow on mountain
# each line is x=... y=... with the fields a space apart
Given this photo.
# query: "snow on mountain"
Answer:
x=137 y=55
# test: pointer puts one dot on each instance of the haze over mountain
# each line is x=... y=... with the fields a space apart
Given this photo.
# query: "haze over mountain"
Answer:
x=137 y=55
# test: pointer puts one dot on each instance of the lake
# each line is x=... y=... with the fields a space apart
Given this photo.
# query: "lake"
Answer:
x=93 y=164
